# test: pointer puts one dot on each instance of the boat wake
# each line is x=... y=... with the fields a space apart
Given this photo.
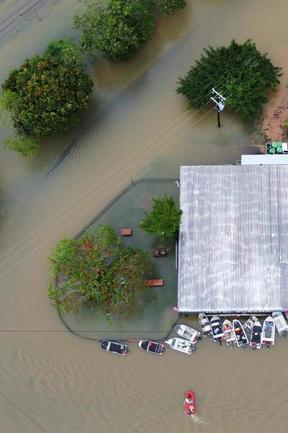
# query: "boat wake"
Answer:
x=197 y=420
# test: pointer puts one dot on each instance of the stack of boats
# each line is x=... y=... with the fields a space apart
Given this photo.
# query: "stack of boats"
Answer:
x=252 y=333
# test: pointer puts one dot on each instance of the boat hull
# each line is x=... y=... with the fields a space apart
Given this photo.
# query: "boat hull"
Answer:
x=268 y=332
x=256 y=334
x=180 y=345
x=240 y=334
x=190 y=403
x=217 y=329
x=114 y=347
x=204 y=323
x=187 y=333
x=152 y=347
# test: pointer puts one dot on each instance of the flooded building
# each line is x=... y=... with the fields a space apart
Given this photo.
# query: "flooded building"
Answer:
x=233 y=240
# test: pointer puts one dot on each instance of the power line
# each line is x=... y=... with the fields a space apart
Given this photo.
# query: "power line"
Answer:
x=93 y=190
x=137 y=166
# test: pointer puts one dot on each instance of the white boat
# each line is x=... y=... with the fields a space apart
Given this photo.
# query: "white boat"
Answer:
x=217 y=329
x=240 y=334
x=181 y=345
x=256 y=333
x=229 y=335
x=268 y=332
x=205 y=325
x=280 y=323
x=188 y=333
x=248 y=325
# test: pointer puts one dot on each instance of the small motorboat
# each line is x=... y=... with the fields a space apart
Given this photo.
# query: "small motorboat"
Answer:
x=248 y=325
x=152 y=346
x=240 y=334
x=268 y=332
x=256 y=333
x=114 y=347
x=188 y=333
x=280 y=323
x=190 y=403
x=181 y=345
x=229 y=335
x=205 y=325
x=217 y=329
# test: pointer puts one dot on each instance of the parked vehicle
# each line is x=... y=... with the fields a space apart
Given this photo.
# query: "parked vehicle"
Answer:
x=229 y=335
x=280 y=323
x=152 y=347
x=190 y=403
x=181 y=345
x=256 y=333
x=114 y=347
x=188 y=333
x=217 y=329
x=268 y=332
x=240 y=334
x=205 y=325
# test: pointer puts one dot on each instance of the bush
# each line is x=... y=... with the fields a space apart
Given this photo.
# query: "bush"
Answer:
x=118 y=29
x=164 y=219
x=240 y=72
x=47 y=93
x=27 y=146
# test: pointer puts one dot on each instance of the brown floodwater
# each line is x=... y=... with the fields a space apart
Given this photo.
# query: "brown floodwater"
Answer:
x=136 y=125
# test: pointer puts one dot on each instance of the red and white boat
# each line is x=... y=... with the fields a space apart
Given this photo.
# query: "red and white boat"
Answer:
x=190 y=403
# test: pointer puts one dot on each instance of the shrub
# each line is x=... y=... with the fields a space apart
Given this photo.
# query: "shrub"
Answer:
x=27 y=146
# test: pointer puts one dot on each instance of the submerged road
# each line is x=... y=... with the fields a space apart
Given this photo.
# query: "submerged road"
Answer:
x=53 y=382
x=13 y=13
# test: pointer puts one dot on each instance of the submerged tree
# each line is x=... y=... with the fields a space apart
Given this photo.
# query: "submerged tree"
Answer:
x=169 y=7
x=240 y=72
x=47 y=93
x=96 y=270
x=164 y=219
x=117 y=29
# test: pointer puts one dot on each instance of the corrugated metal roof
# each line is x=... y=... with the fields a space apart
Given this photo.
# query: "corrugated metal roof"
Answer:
x=233 y=238
x=264 y=159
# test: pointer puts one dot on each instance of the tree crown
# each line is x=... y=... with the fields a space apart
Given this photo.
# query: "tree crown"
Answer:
x=239 y=72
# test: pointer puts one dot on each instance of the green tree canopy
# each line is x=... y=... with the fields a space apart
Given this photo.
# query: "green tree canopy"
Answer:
x=47 y=93
x=96 y=270
x=118 y=28
x=240 y=72
x=164 y=219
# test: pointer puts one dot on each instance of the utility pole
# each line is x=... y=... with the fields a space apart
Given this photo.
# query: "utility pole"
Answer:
x=219 y=101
